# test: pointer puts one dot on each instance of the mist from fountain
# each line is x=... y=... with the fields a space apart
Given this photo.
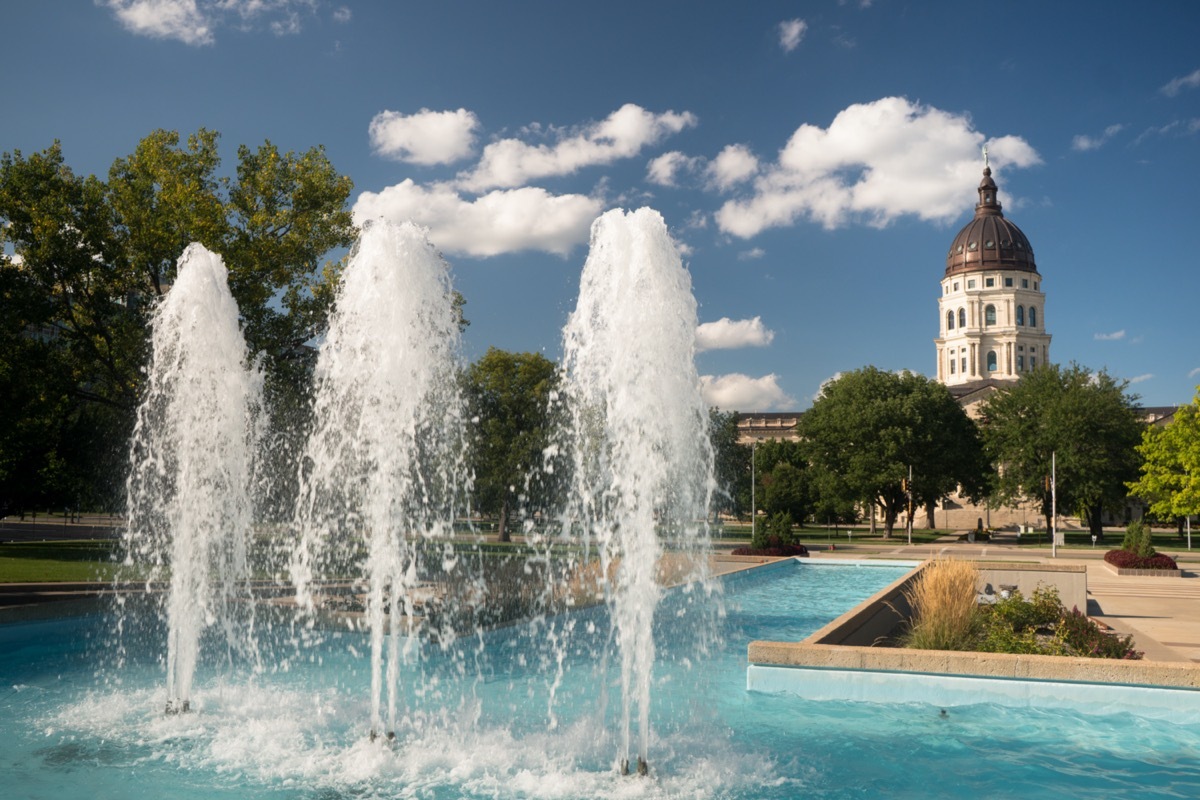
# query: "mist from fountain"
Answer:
x=637 y=440
x=189 y=491
x=382 y=475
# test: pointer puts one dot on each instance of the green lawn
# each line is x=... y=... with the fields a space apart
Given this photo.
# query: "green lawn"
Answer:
x=39 y=562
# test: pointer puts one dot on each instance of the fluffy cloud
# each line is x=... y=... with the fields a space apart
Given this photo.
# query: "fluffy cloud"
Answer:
x=791 y=31
x=1176 y=85
x=623 y=134
x=427 y=137
x=1084 y=143
x=875 y=162
x=164 y=19
x=666 y=169
x=737 y=392
x=732 y=165
x=730 y=334
x=1141 y=378
x=498 y=222
x=194 y=21
x=752 y=254
x=1109 y=337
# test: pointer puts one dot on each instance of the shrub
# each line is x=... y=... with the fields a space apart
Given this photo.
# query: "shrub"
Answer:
x=1082 y=637
x=945 y=613
x=1133 y=536
x=779 y=527
x=772 y=551
x=1124 y=559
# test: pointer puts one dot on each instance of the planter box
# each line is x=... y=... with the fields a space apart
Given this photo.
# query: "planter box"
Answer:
x=1145 y=573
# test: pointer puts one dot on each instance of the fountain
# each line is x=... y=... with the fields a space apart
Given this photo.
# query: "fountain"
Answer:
x=638 y=437
x=512 y=712
x=383 y=466
x=192 y=468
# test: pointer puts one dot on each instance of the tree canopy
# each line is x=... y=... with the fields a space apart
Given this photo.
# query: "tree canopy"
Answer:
x=92 y=256
x=1170 y=470
x=1086 y=419
x=509 y=399
x=869 y=426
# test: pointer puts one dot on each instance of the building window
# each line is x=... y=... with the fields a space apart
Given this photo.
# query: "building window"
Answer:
x=1032 y=362
x=1008 y=282
x=989 y=282
x=1035 y=286
x=952 y=363
x=964 y=365
x=1024 y=283
x=991 y=361
x=956 y=286
x=1020 y=363
x=971 y=284
x=949 y=320
x=962 y=318
x=1020 y=348
x=989 y=315
x=1020 y=315
x=1032 y=317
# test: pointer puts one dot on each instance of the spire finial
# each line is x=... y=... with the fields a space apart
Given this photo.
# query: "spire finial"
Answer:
x=985 y=158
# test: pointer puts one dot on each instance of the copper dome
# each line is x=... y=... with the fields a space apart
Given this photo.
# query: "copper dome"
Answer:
x=989 y=241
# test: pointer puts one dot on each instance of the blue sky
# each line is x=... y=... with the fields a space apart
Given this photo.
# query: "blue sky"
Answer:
x=813 y=159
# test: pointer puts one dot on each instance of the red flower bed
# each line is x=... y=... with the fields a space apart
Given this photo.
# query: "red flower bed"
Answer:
x=1123 y=559
x=782 y=551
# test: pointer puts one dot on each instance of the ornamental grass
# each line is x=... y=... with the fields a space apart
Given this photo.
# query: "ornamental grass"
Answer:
x=945 y=614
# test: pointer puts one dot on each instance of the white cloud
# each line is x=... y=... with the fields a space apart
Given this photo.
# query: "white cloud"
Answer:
x=1141 y=378
x=1194 y=372
x=737 y=392
x=194 y=21
x=1084 y=143
x=666 y=169
x=875 y=162
x=623 y=134
x=791 y=31
x=752 y=254
x=426 y=137
x=498 y=222
x=1174 y=86
x=1109 y=337
x=731 y=334
x=732 y=165
x=342 y=14
x=164 y=19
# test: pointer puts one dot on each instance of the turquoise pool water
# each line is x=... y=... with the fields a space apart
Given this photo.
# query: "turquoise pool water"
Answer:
x=513 y=715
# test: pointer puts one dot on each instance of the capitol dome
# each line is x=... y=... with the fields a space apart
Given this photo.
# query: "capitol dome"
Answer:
x=989 y=241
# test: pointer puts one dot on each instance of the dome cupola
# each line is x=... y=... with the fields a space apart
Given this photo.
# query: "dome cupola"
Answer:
x=989 y=241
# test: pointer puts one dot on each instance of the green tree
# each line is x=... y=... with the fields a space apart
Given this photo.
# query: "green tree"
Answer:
x=869 y=426
x=97 y=254
x=509 y=397
x=1085 y=419
x=731 y=463
x=1170 y=470
x=783 y=479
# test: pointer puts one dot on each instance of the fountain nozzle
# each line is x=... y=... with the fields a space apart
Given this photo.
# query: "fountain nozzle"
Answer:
x=177 y=706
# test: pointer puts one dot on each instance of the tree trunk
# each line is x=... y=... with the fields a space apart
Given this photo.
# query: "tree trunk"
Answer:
x=1096 y=521
x=889 y=521
x=930 y=520
x=502 y=534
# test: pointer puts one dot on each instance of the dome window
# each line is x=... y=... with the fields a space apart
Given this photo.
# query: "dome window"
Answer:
x=1032 y=317
x=1020 y=315
x=989 y=245
x=1006 y=243
x=949 y=320
x=962 y=318
x=959 y=250
x=973 y=246
x=1020 y=246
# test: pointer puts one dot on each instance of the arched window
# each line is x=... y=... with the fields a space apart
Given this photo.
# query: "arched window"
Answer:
x=962 y=318
x=1020 y=315
x=991 y=361
x=949 y=320
x=1032 y=317
x=989 y=315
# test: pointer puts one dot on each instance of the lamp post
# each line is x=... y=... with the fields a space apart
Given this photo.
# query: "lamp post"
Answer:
x=753 y=511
